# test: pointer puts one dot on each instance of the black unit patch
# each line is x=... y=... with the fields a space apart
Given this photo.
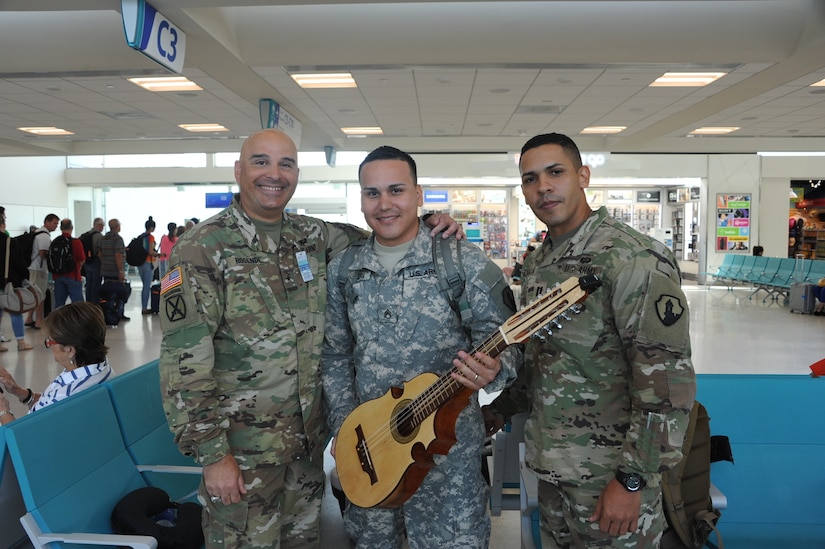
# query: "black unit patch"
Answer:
x=669 y=309
x=175 y=308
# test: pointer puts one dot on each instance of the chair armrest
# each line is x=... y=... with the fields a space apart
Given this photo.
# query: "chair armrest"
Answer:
x=39 y=539
x=529 y=492
x=717 y=498
x=176 y=469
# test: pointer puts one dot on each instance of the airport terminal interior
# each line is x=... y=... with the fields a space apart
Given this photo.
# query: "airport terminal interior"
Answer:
x=703 y=123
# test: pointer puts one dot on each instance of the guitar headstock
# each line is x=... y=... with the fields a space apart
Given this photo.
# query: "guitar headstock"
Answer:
x=553 y=303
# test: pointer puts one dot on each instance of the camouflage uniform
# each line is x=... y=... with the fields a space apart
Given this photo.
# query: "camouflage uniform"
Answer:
x=390 y=328
x=613 y=389
x=243 y=329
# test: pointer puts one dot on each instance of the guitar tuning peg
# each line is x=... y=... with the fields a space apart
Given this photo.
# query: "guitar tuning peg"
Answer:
x=576 y=308
x=556 y=324
x=565 y=316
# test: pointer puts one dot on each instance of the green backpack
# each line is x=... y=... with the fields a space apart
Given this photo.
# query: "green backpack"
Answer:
x=686 y=489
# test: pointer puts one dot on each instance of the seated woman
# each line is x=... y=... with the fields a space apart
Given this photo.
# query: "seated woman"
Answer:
x=76 y=335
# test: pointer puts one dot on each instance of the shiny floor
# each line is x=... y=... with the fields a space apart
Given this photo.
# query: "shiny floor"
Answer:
x=730 y=334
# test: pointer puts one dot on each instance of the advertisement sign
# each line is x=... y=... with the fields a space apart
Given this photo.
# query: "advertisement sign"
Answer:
x=733 y=223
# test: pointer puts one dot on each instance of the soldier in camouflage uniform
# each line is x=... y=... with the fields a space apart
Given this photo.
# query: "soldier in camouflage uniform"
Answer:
x=610 y=394
x=242 y=313
x=390 y=323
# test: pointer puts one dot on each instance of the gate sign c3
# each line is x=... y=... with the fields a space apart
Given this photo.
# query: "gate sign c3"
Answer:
x=151 y=33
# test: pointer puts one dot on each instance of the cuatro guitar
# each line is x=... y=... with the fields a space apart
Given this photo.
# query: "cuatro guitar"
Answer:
x=385 y=447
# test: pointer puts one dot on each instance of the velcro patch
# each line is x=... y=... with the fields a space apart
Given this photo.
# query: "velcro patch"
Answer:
x=669 y=309
x=173 y=279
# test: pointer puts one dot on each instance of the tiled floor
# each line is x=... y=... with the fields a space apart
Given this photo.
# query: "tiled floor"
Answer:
x=730 y=334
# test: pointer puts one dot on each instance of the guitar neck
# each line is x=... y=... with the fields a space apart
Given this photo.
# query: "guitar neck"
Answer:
x=517 y=329
x=445 y=388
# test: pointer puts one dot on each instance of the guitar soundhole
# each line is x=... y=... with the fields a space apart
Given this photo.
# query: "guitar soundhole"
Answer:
x=404 y=424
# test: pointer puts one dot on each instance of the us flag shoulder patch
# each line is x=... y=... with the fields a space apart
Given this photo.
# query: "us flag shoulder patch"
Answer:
x=173 y=279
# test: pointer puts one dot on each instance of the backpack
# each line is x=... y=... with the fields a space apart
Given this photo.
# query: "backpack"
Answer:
x=22 y=252
x=451 y=278
x=88 y=247
x=148 y=511
x=136 y=253
x=60 y=259
x=686 y=489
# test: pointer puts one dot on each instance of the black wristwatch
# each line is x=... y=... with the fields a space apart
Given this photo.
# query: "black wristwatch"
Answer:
x=631 y=481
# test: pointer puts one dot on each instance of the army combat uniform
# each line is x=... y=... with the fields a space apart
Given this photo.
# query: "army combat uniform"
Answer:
x=243 y=325
x=610 y=391
x=386 y=328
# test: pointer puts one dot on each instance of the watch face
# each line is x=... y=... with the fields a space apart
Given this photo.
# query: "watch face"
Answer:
x=632 y=483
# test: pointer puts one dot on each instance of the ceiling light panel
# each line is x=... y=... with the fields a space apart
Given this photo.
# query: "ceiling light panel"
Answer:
x=325 y=80
x=203 y=127
x=165 y=84
x=687 y=79
x=45 y=130
x=714 y=130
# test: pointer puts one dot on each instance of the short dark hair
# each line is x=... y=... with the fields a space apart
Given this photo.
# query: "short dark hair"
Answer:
x=81 y=325
x=49 y=218
x=385 y=152
x=559 y=139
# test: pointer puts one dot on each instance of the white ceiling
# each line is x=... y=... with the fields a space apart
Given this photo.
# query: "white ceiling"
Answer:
x=436 y=76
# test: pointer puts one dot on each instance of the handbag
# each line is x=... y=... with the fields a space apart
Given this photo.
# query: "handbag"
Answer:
x=21 y=299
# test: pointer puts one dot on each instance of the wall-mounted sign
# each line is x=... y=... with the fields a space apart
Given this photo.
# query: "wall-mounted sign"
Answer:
x=153 y=35
x=218 y=200
x=649 y=196
x=435 y=196
x=733 y=223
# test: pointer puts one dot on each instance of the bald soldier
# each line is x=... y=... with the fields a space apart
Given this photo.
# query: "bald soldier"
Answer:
x=242 y=312
x=609 y=395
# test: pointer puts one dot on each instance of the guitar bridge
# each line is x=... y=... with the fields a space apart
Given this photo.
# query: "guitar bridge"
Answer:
x=364 y=457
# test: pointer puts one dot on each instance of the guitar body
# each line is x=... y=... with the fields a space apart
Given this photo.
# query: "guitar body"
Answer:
x=379 y=463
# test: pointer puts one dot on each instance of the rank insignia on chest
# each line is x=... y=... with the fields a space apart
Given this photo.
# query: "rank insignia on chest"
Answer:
x=669 y=309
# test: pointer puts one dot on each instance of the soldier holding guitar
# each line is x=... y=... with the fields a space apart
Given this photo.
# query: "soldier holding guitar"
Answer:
x=390 y=324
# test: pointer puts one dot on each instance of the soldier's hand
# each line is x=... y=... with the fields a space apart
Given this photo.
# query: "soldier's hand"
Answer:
x=617 y=510
x=475 y=372
x=444 y=224
x=223 y=481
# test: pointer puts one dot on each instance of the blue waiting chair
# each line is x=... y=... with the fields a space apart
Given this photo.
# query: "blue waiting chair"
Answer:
x=73 y=467
x=137 y=403
x=11 y=501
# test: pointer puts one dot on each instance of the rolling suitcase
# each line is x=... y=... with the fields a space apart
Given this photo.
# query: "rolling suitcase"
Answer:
x=801 y=297
x=155 y=298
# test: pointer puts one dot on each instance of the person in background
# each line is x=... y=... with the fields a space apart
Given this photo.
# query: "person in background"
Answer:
x=70 y=285
x=113 y=268
x=394 y=272
x=147 y=270
x=38 y=270
x=91 y=269
x=609 y=396
x=516 y=274
x=242 y=314
x=16 y=278
x=76 y=336
x=758 y=250
x=166 y=242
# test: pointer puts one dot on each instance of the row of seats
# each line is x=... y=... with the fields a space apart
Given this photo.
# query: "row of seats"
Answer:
x=773 y=275
x=75 y=459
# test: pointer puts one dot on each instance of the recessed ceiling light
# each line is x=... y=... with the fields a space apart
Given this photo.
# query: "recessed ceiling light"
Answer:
x=203 y=127
x=363 y=130
x=165 y=83
x=604 y=129
x=820 y=83
x=326 y=80
x=46 y=130
x=714 y=130
x=679 y=79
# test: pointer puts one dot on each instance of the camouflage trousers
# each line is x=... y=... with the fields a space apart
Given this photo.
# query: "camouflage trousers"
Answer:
x=564 y=512
x=280 y=510
x=449 y=511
